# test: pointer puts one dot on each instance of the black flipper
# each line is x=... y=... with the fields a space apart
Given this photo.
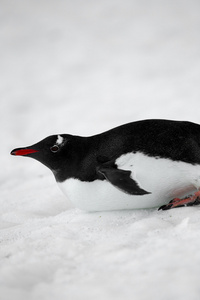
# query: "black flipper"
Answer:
x=122 y=180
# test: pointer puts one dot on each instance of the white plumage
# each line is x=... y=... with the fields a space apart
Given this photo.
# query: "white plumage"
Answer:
x=163 y=178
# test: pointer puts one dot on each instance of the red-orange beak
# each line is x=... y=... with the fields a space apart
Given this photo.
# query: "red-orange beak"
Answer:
x=22 y=151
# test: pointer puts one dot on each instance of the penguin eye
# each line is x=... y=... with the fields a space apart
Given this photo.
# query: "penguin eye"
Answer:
x=54 y=148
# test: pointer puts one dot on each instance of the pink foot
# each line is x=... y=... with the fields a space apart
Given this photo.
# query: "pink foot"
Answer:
x=177 y=202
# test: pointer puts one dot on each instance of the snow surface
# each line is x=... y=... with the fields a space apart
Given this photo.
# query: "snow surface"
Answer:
x=82 y=67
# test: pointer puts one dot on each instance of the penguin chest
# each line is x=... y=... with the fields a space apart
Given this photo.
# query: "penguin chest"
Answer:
x=164 y=179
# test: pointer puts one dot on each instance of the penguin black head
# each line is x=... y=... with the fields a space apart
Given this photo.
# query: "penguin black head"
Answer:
x=57 y=152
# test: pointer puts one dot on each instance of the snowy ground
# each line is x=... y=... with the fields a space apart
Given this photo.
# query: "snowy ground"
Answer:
x=82 y=67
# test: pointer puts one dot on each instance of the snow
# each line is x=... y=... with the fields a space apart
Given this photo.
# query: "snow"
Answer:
x=82 y=67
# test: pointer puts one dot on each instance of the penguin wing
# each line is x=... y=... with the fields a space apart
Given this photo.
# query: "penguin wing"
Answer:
x=121 y=179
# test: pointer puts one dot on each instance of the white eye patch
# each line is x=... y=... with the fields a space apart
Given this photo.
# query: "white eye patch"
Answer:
x=59 y=140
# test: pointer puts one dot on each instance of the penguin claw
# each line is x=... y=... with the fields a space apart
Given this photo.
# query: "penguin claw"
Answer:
x=187 y=201
x=165 y=207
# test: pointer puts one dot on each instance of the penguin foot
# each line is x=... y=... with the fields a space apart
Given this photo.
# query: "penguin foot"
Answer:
x=187 y=201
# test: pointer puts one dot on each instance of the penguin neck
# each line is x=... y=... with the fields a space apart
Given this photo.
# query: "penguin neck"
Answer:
x=80 y=165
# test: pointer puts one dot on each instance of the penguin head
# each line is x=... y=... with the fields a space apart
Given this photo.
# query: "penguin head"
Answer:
x=57 y=152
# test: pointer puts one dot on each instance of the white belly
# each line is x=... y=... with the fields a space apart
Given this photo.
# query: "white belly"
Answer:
x=163 y=178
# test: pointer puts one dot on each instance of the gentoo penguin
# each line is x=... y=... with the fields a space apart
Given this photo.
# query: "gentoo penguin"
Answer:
x=143 y=164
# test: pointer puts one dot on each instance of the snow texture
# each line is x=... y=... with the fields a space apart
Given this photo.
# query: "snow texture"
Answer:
x=82 y=67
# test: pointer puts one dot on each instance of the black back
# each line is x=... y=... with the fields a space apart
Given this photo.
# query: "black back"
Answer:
x=175 y=140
